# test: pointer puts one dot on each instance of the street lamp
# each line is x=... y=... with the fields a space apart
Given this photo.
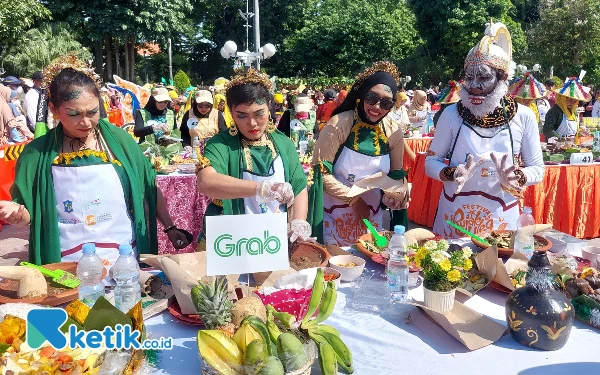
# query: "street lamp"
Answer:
x=229 y=51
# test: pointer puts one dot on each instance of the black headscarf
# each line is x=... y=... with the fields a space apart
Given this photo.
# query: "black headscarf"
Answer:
x=197 y=112
x=360 y=91
x=151 y=107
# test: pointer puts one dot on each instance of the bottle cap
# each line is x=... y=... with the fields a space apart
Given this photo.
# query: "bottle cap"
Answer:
x=125 y=250
x=88 y=248
x=399 y=229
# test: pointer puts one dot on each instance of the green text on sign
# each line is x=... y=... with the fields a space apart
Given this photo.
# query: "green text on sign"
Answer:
x=226 y=247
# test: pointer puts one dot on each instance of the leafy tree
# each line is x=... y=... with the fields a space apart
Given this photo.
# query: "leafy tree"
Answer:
x=17 y=16
x=38 y=47
x=568 y=38
x=452 y=27
x=339 y=37
x=181 y=81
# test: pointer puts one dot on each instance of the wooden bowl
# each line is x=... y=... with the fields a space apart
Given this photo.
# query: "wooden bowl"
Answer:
x=10 y=287
x=308 y=250
x=367 y=238
x=507 y=252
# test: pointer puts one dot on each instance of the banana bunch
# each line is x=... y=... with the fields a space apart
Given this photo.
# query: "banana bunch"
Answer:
x=220 y=352
x=253 y=328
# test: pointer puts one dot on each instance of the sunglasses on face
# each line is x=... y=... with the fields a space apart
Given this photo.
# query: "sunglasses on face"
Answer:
x=163 y=102
x=204 y=105
x=384 y=103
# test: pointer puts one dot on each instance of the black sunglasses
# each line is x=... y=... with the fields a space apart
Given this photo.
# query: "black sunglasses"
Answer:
x=372 y=99
x=204 y=105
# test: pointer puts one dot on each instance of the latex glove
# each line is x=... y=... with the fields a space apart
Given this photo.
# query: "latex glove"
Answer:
x=396 y=201
x=552 y=140
x=505 y=174
x=584 y=131
x=300 y=230
x=268 y=191
x=14 y=214
x=463 y=173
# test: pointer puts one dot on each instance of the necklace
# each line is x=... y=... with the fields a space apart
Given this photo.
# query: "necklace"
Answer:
x=246 y=144
x=81 y=144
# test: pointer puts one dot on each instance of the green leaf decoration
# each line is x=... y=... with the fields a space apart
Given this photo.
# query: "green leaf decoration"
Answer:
x=68 y=323
x=3 y=348
x=104 y=314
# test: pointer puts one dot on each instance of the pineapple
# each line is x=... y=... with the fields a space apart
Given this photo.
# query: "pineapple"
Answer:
x=213 y=305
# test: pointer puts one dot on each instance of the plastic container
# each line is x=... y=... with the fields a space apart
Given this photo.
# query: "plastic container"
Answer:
x=195 y=146
x=524 y=241
x=89 y=272
x=596 y=144
x=126 y=274
x=397 y=269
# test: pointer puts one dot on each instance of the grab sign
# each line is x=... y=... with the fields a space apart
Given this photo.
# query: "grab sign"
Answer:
x=237 y=244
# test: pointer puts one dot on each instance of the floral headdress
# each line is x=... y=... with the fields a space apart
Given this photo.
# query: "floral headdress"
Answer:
x=573 y=88
x=380 y=66
x=68 y=61
x=252 y=76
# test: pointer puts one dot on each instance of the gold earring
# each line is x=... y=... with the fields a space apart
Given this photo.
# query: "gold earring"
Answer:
x=271 y=126
x=233 y=130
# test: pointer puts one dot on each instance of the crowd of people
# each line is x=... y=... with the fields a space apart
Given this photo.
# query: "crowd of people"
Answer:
x=247 y=136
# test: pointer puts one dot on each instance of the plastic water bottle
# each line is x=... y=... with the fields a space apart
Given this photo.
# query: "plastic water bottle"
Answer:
x=524 y=242
x=397 y=269
x=126 y=273
x=195 y=146
x=89 y=272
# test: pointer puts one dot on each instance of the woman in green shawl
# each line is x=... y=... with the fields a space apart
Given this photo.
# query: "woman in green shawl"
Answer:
x=253 y=168
x=85 y=181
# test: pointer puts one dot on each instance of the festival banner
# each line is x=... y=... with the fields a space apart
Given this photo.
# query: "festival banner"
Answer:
x=141 y=94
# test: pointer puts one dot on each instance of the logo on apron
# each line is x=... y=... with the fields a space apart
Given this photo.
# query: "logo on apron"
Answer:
x=351 y=177
x=90 y=220
x=95 y=202
x=68 y=206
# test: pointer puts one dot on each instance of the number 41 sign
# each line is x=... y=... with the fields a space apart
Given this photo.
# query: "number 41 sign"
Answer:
x=237 y=244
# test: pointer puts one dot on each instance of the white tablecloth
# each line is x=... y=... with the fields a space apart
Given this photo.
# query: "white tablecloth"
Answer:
x=386 y=344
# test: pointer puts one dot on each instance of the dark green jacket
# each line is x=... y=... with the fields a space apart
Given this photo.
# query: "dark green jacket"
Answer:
x=554 y=117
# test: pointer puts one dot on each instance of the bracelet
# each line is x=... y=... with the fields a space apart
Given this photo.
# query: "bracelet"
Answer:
x=170 y=228
x=522 y=178
x=449 y=173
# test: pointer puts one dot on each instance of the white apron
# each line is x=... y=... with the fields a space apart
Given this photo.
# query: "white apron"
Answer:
x=340 y=226
x=482 y=205
x=567 y=128
x=277 y=174
x=91 y=208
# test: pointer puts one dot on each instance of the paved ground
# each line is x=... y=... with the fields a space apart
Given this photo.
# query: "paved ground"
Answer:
x=13 y=244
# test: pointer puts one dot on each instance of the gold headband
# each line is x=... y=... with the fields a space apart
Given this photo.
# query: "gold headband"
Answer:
x=252 y=76
x=68 y=61
x=380 y=66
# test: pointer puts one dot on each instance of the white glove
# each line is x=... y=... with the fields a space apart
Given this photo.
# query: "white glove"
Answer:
x=584 y=131
x=396 y=201
x=506 y=175
x=300 y=230
x=463 y=173
x=268 y=191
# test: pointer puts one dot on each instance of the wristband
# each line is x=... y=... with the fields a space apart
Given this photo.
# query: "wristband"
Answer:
x=170 y=228
x=449 y=173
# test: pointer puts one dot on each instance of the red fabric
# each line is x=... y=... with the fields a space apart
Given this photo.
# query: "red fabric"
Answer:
x=186 y=207
x=325 y=110
x=568 y=198
x=7 y=173
x=417 y=144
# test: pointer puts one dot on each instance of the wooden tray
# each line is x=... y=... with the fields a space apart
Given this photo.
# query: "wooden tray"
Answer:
x=11 y=286
x=507 y=252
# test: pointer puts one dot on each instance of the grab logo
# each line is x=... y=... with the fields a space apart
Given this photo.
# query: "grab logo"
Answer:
x=225 y=246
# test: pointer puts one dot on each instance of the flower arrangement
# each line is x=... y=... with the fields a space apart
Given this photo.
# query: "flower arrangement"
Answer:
x=443 y=271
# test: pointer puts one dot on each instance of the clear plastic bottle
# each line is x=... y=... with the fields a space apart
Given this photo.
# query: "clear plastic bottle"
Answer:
x=397 y=269
x=89 y=272
x=524 y=242
x=596 y=144
x=126 y=274
x=195 y=147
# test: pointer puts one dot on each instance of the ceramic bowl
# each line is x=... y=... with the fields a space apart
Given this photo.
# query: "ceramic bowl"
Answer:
x=348 y=273
x=590 y=253
x=312 y=272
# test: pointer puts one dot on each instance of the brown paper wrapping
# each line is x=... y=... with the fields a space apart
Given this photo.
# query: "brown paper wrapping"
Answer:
x=376 y=181
x=334 y=250
x=471 y=328
x=184 y=271
x=536 y=229
x=268 y=279
x=487 y=265
x=517 y=261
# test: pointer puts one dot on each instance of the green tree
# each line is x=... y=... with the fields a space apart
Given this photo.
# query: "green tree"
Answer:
x=17 y=16
x=181 y=81
x=35 y=49
x=568 y=38
x=339 y=37
x=452 y=27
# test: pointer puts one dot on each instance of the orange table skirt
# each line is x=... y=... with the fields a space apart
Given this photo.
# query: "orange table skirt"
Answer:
x=568 y=198
x=8 y=161
x=416 y=145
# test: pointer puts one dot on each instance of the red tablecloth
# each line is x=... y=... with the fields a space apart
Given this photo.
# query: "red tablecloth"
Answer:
x=186 y=207
x=8 y=161
x=416 y=145
x=568 y=198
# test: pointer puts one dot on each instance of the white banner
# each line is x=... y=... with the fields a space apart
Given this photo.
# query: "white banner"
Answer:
x=237 y=244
